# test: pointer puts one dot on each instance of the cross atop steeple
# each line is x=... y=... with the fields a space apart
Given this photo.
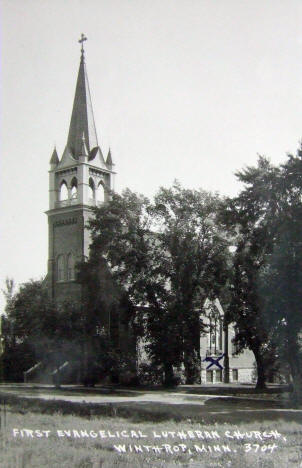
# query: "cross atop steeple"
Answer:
x=81 y=41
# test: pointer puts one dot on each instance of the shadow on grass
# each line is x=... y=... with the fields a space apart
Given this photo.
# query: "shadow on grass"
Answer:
x=243 y=403
x=78 y=391
x=224 y=410
x=238 y=390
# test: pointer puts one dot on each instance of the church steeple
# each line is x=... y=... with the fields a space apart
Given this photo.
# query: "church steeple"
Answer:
x=82 y=120
x=78 y=181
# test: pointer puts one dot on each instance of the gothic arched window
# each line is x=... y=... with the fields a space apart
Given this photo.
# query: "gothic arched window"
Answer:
x=74 y=188
x=91 y=190
x=63 y=191
x=60 y=268
x=70 y=267
x=100 y=196
x=215 y=332
x=235 y=346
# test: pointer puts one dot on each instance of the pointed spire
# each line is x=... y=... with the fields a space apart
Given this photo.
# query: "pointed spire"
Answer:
x=109 y=158
x=82 y=120
x=54 y=160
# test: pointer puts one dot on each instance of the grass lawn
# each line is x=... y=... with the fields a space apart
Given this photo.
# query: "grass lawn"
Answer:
x=52 y=434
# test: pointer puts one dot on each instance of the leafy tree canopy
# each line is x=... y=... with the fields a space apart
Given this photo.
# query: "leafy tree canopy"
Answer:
x=168 y=255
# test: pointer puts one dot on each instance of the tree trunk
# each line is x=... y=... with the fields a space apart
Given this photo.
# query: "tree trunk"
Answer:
x=297 y=388
x=192 y=367
x=260 y=385
x=169 y=374
x=226 y=373
x=296 y=373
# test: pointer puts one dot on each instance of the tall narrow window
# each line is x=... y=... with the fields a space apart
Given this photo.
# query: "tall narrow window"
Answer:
x=220 y=334
x=60 y=268
x=235 y=346
x=70 y=267
x=100 y=196
x=63 y=191
x=215 y=333
x=74 y=188
x=91 y=190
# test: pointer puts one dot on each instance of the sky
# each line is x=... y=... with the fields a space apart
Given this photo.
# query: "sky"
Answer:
x=192 y=90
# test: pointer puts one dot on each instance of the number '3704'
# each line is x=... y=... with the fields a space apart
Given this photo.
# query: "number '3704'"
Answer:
x=260 y=448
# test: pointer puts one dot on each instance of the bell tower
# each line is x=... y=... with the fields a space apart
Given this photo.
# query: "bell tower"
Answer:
x=79 y=180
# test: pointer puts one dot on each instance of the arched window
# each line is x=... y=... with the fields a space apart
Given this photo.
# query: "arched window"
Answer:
x=63 y=191
x=235 y=346
x=215 y=333
x=100 y=195
x=91 y=190
x=70 y=267
x=74 y=188
x=60 y=268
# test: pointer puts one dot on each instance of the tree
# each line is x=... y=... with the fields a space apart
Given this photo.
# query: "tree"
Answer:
x=21 y=327
x=250 y=217
x=281 y=285
x=195 y=252
x=253 y=330
x=282 y=295
x=35 y=329
x=123 y=242
x=266 y=219
x=168 y=256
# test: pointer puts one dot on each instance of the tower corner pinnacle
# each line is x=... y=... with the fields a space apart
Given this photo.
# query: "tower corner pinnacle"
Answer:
x=109 y=161
x=54 y=160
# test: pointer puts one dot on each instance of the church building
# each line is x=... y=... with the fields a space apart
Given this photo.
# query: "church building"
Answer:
x=81 y=179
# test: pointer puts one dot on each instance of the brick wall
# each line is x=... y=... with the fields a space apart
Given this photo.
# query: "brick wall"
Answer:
x=67 y=235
